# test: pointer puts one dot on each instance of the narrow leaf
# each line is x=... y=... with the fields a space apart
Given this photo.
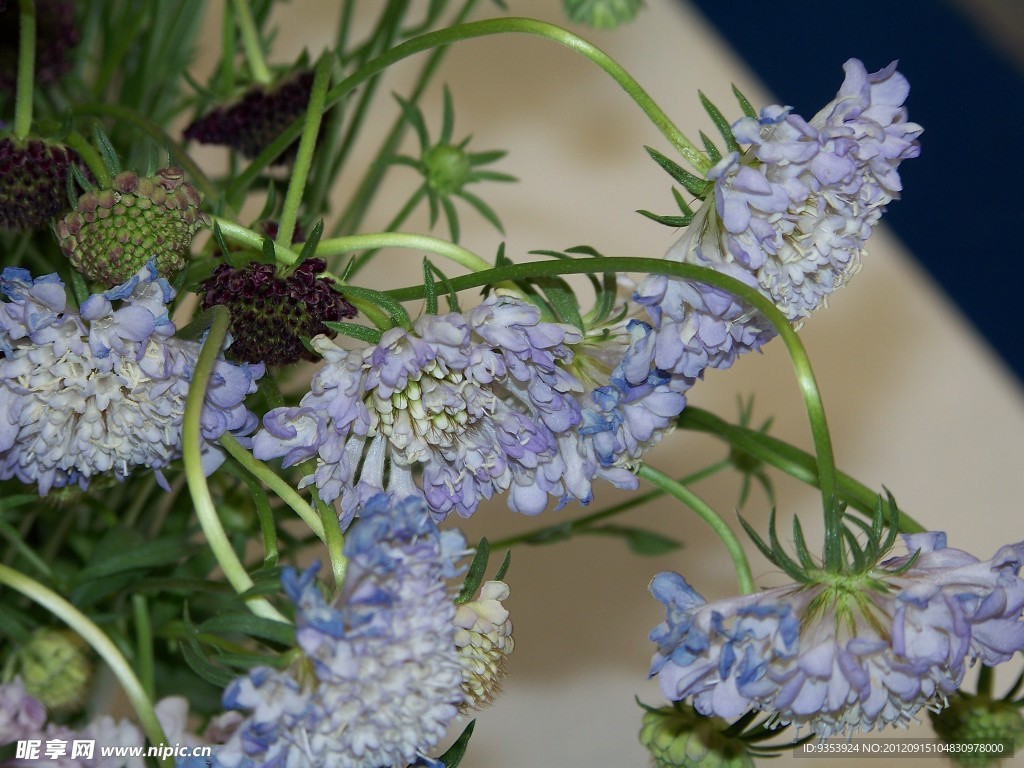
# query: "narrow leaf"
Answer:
x=456 y=751
x=748 y=110
x=309 y=247
x=693 y=184
x=475 y=574
x=429 y=289
x=720 y=123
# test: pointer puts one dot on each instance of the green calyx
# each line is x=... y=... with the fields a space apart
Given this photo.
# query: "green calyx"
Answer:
x=114 y=232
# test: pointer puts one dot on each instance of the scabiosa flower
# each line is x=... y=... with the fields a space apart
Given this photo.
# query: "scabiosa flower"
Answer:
x=258 y=118
x=270 y=313
x=102 y=389
x=843 y=653
x=113 y=233
x=483 y=636
x=379 y=680
x=56 y=36
x=32 y=182
x=477 y=401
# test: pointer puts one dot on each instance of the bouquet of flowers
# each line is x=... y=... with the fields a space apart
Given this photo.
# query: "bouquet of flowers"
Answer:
x=237 y=472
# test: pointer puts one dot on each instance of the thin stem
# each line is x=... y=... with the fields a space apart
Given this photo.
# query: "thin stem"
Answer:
x=709 y=516
x=100 y=643
x=269 y=478
x=335 y=540
x=469 y=31
x=206 y=513
x=340 y=245
x=251 y=41
x=26 y=69
x=304 y=156
x=565 y=529
x=798 y=355
x=788 y=459
x=236 y=233
x=144 y=645
x=398 y=220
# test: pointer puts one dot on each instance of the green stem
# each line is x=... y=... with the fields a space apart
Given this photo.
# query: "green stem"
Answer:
x=19 y=546
x=469 y=31
x=206 y=513
x=100 y=643
x=26 y=70
x=398 y=220
x=341 y=245
x=304 y=157
x=335 y=540
x=789 y=459
x=764 y=305
x=709 y=516
x=565 y=529
x=236 y=233
x=144 y=645
x=269 y=478
x=251 y=41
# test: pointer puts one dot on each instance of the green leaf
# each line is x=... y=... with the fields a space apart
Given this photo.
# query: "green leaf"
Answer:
x=475 y=574
x=720 y=123
x=269 y=253
x=483 y=209
x=453 y=756
x=393 y=308
x=710 y=148
x=429 y=289
x=309 y=247
x=503 y=569
x=144 y=555
x=107 y=151
x=562 y=299
x=748 y=110
x=415 y=118
x=200 y=663
x=355 y=331
x=693 y=184
x=250 y=625
x=447 y=118
x=639 y=540
x=668 y=221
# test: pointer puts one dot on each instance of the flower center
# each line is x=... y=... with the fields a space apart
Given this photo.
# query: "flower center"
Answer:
x=430 y=412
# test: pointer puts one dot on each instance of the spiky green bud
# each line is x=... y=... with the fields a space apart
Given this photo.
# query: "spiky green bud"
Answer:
x=447 y=169
x=113 y=233
x=55 y=668
x=680 y=737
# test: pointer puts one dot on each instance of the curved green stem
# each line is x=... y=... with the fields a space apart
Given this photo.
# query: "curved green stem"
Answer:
x=337 y=246
x=273 y=481
x=90 y=157
x=764 y=305
x=563 y=530
x=709 y=516
x=236 y=233
x=251 y=41
x=206 y=513
x=304 y=156
x=99 y=642
x=26 y=69
x=788 y=459
x=469 y=31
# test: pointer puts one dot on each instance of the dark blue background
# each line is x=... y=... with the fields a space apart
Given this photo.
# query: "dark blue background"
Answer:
x=963 y=203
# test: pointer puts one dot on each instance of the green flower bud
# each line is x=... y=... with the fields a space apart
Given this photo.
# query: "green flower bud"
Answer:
x=680 y=737
x=55 y=668
x=447 y=169
x=979 y=720
x=602 y=14
x=114 y=232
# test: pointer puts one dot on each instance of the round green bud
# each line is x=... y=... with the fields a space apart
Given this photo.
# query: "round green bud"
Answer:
x=446 y=168
x=55 y=668
x=680 y=737
x=602 y=14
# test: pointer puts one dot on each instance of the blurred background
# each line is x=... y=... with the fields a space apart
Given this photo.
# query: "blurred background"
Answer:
x=915 y=358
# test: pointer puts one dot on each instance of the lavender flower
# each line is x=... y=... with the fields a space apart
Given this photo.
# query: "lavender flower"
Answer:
x=845 y=653
x=102 y=389
x=479 y=402
x=790 y=216
x=380 y=679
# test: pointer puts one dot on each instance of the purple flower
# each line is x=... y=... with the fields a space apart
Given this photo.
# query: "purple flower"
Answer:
x=843 y=654
x=380 y=678
x=479 y=403
x=102 y=389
